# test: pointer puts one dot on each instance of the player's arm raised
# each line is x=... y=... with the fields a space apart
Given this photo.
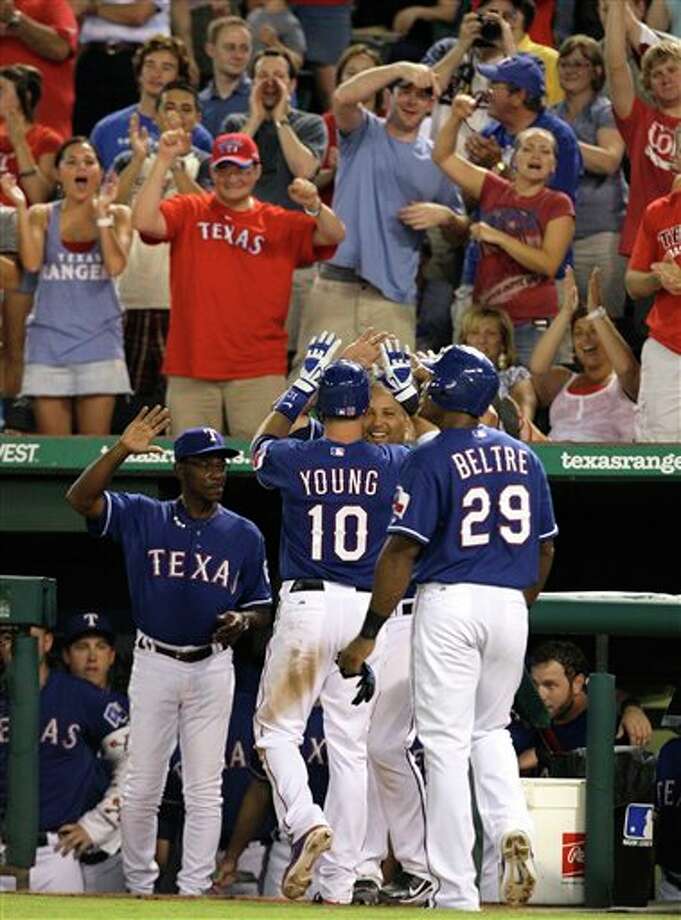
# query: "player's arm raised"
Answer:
x=86 y=495
x=293 y=402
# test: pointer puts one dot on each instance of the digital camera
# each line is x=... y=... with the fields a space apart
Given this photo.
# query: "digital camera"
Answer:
x=490 y=30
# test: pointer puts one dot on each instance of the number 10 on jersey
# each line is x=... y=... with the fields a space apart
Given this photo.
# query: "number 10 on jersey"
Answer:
x=346 y=529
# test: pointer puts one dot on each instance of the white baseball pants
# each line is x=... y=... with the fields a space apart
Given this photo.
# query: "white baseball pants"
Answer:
x=469 y=645
x=55 y=873
x=106 y=876
x=310 y=630
x=396 y=798
x=192 y=701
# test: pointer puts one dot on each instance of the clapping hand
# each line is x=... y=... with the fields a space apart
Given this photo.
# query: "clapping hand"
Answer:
x=12 y=190
x=141 y=431
x=106 y=196
x=570 y=292
x=139 y=137
x=669 y=274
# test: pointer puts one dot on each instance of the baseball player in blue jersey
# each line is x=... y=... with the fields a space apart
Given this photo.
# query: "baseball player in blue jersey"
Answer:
x=89 y=653
x=197 y=579
x=473 y=525
x=336 y=508
x=77 y=720
x=668 y=820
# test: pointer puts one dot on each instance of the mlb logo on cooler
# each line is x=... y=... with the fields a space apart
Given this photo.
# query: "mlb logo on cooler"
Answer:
x=638 y=825
x=573 y=856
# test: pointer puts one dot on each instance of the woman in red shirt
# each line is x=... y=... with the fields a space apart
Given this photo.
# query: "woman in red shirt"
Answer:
x=26 y=149
x=525 y=229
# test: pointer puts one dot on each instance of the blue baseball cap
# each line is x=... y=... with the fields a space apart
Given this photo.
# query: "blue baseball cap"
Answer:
x=88 y=624
x=196 y=442
x=523 y=71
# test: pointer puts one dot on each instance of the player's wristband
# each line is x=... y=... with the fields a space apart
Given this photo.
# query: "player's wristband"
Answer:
x=105 y=221
x=291 y=403
x=408 y=398
x=372 y=624
x=598 y=313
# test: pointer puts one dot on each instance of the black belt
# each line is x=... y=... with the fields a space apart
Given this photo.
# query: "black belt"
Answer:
x=307 y=584
x=113 y=47
x=198 y=654
x=94 y=858
x=407 y=608
x=314 y=584
x=42 y=840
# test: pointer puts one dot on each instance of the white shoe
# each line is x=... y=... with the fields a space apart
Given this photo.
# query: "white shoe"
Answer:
x=304 y=854
x=518 y=877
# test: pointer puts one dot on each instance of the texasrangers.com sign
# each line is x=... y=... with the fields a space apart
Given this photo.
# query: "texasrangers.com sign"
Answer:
x=561 y=461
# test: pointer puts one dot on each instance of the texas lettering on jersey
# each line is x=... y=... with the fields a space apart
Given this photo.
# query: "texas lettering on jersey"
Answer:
x=245 y=239
x=168 y=563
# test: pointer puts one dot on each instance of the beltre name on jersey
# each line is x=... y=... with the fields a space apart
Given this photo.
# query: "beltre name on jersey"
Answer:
x=484 y=501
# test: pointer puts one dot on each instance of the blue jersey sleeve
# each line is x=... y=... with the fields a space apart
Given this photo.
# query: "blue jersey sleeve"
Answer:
x=105 y=712
x=121 y=516
x=270 y=462
x=547 y=526
x=415 y=509
x=256 y=589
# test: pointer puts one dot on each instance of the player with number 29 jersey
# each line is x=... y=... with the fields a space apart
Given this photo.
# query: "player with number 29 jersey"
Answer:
x=337 y=500
x=486 y=497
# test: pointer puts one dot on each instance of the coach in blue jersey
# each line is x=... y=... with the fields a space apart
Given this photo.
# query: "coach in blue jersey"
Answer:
x=77 y=720
x=197 y=579
x=472 y=523
x=336 y=494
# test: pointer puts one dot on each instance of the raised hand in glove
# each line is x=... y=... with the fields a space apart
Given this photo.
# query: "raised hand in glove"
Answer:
x=398 y=375
x=319 y=355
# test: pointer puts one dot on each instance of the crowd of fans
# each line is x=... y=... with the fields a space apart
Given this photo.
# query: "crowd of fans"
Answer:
x=475 y=151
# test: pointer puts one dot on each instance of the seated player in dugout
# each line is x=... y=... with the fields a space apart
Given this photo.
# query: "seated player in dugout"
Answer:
x=560 y=672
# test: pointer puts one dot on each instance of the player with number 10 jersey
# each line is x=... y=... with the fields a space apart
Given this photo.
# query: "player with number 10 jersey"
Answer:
x=336 y=505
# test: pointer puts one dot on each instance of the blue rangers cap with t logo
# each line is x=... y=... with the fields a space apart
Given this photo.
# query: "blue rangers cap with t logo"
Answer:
x=88 y=624
x=196 y=442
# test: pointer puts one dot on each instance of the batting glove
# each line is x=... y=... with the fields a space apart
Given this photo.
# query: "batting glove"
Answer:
x=398 y=375
x=319 y=355
x=366 y=685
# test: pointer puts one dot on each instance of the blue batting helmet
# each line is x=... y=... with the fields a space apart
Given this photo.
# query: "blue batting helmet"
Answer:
x=343 y=390
x=464 y=380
